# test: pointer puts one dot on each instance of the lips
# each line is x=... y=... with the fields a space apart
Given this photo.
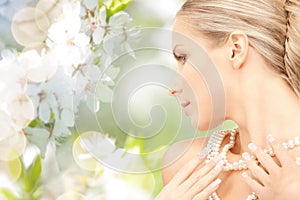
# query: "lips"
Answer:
x=186 y=104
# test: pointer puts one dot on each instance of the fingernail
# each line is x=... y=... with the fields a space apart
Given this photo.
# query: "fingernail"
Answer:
x=246 y=156
x=216 y=182
x=219 y=165
x=285 y=145
x=252 y=146
x=203 y=153
x=270 y=138
x=244 y=174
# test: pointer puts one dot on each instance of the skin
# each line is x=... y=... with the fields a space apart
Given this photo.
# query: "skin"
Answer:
x=258 y=100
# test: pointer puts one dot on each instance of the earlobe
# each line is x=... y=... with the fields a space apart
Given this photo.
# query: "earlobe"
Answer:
x=238 y=43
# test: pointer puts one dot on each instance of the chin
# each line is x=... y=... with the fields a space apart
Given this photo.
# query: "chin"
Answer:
x=204 y=124
x=200 y=125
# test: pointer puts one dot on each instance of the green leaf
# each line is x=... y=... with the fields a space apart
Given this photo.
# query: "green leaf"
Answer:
x=134 y=142
x=35 y=170
x=39 y=137
x=36 y=123
x=6 y=194
x=33 y=175
x=121 y=6
x=117 y=6
x=37 y=193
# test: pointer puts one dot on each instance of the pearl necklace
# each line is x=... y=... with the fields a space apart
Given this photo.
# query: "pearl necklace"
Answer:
x=214 y=144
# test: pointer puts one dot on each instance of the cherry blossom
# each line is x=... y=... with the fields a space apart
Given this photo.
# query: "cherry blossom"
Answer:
x=69 y=46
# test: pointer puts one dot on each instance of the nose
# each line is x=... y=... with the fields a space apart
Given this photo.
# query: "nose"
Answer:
x=173 y=92
x=175 y=88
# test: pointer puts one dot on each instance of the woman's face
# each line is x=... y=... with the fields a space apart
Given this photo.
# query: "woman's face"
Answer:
x=199 y=86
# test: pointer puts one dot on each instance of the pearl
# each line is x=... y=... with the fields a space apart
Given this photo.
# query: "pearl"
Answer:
x=285 y=145
x=291 y=144
x=297 y=141
x=215 y=149
x=215 y=142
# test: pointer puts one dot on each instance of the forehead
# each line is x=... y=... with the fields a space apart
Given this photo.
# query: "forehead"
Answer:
x=184 y=34
x=180 y=30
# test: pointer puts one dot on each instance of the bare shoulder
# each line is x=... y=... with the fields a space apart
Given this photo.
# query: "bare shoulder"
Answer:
x=179 y=154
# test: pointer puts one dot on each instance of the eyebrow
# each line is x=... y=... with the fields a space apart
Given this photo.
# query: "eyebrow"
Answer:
x=174 y=49
x=176 y=46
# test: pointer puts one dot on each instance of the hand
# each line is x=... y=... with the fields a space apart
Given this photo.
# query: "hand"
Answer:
x=191 y=183
x=273 y=181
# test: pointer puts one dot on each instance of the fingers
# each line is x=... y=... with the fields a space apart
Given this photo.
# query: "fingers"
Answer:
x=187 y=170
x=253 y=184
x=203 y=195
x=200 y=173
x=208 y=178
x=266 y=160
x=255 y=170
x=281 y=153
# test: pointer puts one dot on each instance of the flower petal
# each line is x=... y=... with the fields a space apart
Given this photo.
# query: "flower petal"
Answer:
x=98 y=35
x=120 y=19
x=39 y=137
x=44 y=111
x=90 y=4
x=6 y=126
x=68 y=117
x=60 y=129
x=22 y=111
x=103 y=16
x=104 y=94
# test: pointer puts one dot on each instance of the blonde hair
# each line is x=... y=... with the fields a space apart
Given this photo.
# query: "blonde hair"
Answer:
x=272 y=27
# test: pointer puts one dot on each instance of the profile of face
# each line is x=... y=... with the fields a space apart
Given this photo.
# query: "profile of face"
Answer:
x=199 y=84
x=244 y=50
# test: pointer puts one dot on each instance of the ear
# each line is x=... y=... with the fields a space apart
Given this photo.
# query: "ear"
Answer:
x=238 y=44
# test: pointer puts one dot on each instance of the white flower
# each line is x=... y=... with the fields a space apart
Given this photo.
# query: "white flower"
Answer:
x=99 y=21
x=67 y=43
x=41 y=84
x=116 y=26
x=16 y=108
x=7 y=129
x=55 y=96
x=13 y=146
x=44 y=100
x=38 y=68
x=118 y=37
x=90 y=4
x=118 y=22
x=21 y=110
x=104 y=92
x=39 y=137
x=93 y=86
x=13 y=119
x=13 y=80
x=86 y=82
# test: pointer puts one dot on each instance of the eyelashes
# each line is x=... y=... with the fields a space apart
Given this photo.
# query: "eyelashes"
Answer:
x=181 y=58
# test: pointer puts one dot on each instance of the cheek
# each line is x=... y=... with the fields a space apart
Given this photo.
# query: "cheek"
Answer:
x=200 y=99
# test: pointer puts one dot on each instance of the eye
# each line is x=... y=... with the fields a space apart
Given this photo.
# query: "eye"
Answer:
x=181 y=58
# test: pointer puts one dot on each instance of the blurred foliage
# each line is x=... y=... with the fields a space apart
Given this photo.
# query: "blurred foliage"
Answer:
x=28 y=182
x=115 y=6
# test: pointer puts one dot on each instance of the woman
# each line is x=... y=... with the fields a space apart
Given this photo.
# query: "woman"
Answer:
x=255 y=47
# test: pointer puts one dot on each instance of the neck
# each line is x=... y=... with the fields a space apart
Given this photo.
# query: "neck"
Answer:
x=276 y=112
